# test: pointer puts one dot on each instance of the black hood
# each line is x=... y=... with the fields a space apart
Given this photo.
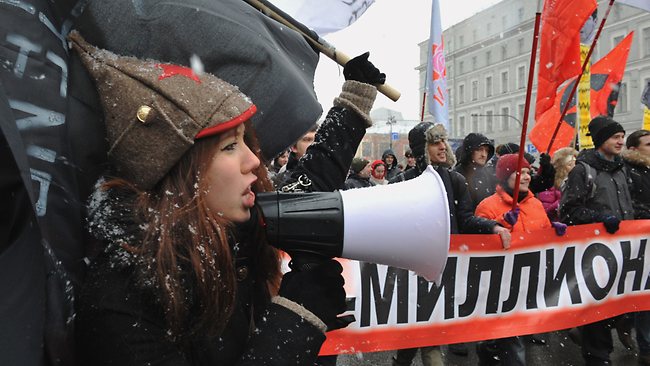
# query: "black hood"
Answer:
x=389 y=152
x=472 y=142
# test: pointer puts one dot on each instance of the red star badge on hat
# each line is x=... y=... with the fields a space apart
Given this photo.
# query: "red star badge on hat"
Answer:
x=171 y=70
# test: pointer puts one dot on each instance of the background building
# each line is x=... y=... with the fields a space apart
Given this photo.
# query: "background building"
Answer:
x=488 y=57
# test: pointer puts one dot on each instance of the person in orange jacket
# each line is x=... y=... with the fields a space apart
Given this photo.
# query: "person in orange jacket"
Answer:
x=529 y=215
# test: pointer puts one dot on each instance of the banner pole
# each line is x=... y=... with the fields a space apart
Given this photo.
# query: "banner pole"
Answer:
x=575 y=86
x=323 y=46
x=529 y=90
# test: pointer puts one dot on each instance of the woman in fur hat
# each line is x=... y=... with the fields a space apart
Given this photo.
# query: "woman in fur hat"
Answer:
x=186 y=276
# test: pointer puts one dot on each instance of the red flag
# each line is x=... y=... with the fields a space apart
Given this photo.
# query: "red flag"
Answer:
x=559 y=52
x=606 y=75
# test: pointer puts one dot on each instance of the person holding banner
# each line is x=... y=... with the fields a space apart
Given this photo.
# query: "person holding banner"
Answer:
x=637 y=162
x=597 y=191
x=429 y=145
x=529 y=215
x=186 y=276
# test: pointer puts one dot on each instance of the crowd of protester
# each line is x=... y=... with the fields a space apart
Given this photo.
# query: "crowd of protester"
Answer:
x=607 y=187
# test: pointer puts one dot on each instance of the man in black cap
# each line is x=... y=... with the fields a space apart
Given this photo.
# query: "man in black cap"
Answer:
x=597 y=191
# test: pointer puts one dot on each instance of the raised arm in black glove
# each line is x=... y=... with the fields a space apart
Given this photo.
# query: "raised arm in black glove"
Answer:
x=318 y=288
x=362 y=70
x=545 y=176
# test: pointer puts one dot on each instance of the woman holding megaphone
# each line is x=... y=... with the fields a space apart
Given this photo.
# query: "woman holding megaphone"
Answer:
x=186 y=277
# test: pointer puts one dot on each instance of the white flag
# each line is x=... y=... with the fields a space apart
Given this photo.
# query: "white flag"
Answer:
x=641 y=4
x=324 y=16
x=436 y=83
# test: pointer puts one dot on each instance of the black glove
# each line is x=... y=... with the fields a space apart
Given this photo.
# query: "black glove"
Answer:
x=611 y=222
x=318 y=287
x=362 y=70
x=545 y=165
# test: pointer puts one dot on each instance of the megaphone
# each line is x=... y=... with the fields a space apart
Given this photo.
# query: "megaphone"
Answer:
x=404 y=225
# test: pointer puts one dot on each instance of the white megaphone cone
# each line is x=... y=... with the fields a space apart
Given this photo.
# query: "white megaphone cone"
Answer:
x=362 y=224
x=404 y=225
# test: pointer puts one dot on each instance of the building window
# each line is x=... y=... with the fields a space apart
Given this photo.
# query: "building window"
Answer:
x=461 y=65
x=475 y=123
x=616 y=41
x=474 y=89
x=504 y=82
x=474 y=35
x=520 y=111
x=473 y=62
x=520 y=14
x=461 y=41
x=521 y=77
x=461 y=94
x=489 y=28
x=505 y=118
x=645 y=42
x=520 y=45
x=488 y=57
x=489 y=121
x=504 y=22
x=461 y=126
x=488 y=86
x=621 y=105
x=504 y=52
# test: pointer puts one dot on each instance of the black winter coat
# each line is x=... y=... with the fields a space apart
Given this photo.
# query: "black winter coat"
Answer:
x=481 y=183
x=638 y=167
x=587 y=199
x=355 y=181
x=120 y=320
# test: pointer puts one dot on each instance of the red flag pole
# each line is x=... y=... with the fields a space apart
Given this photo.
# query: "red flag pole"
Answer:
x=424 y=99
x=575 y=86
x=529 y=90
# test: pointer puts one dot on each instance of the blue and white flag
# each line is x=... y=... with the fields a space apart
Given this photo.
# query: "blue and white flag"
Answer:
x=436 y=82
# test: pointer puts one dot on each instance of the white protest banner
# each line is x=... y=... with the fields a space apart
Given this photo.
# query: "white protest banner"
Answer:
x=542 y=283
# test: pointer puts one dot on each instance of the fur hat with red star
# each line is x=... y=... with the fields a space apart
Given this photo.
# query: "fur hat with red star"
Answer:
x=153 y=112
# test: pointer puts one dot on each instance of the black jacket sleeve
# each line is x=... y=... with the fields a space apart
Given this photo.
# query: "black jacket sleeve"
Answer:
x=328 y=159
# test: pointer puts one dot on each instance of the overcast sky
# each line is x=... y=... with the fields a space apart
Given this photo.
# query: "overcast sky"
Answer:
x=391 y=31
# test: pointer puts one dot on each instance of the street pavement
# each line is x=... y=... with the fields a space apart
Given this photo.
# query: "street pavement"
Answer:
x=559 y=350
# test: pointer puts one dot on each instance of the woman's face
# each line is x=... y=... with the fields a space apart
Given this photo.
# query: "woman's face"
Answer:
x=283 y=158
x=379 y=171
x=230 y=176
x=524 y=181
